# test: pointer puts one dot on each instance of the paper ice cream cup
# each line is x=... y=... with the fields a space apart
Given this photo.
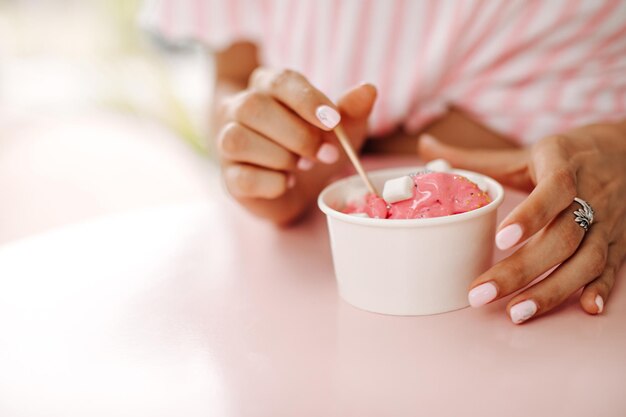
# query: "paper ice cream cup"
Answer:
x=408 y=267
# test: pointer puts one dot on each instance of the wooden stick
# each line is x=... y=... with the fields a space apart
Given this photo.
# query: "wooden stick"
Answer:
x=347 y=147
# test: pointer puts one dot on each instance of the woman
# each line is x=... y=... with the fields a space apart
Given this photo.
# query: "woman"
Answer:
x=531 y=93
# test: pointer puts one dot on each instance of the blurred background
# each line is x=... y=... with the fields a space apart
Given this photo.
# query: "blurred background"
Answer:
x=97 y=116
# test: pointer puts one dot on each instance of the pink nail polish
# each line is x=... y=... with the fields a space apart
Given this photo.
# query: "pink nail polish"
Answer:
x=482 y=294
x=328 y=116
x=291 y=181
x=328 y=153
x=599 y=304
x=305 y=164
x=508 y=236
x=521 y=312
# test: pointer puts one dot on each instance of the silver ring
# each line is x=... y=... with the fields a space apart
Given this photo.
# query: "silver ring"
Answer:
x=584 y=216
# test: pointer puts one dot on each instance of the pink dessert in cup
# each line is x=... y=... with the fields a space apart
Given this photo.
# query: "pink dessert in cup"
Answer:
x=425 y=195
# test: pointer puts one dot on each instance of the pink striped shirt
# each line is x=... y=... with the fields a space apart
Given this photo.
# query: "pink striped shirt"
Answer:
x=525 y=68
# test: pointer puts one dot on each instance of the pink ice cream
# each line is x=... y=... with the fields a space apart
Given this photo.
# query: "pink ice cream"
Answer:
x=435 y=194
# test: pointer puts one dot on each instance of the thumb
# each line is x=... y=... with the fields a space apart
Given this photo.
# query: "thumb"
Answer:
x=358 y=102
x=509 y=166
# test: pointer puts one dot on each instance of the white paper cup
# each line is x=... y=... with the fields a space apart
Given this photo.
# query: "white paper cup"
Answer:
x=408 y=267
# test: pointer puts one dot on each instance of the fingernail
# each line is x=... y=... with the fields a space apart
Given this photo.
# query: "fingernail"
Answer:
x=305 y=164
x=291 y=181
x=523 y=311
x=328 y=153
x=508 y=236
x=482 y=294
x=599 y=303
x=328 y=116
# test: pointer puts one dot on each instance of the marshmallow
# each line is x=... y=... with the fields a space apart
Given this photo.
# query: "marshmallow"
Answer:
x=438 y=165
x=398 y=189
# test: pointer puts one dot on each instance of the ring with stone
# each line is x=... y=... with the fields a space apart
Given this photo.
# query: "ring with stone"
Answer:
x=583 y=216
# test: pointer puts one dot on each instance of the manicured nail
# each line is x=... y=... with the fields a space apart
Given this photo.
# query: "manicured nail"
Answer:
x=482 y=294
x=599 y=303
x=523 y=311
x=291 y=181
x=508 y=236
x=328 y=116
x=328 y=153
x=305 y=164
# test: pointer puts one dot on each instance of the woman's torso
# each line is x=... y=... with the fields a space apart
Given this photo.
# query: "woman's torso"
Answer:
x=523 y=68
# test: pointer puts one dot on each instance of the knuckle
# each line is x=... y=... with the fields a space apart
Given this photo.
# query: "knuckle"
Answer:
x=542 y=146
x=249 y=104
x=557 y=145
x=277 y=191
x=256 y=74
x=570 y=237
x=535 y=215
x=306 y=143
x=516 y=270
x=282 y=77
x=232 y=140
x=512 y=273
x=556 y=142
x=548 y=297
x=243 y=180
x=566 y=181
x=283 y=161
x=556 y=296
x=305 y=95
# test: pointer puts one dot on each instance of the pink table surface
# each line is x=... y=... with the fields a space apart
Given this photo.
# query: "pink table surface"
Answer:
x=202 y=310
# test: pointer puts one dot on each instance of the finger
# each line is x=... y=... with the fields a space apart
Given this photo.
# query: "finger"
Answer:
x=556 y=243
x=588 y=262
x=253 y=182
x=555 y=191
x=269 y=118
x=240 y=144
x=507 y=166
x=357 y=103
x=595 y=295
x=297 y=93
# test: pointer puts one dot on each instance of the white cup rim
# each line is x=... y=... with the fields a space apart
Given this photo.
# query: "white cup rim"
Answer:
x=395 y=223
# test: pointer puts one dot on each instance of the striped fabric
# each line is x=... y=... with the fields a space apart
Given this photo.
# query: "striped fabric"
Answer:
x=525 y=68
